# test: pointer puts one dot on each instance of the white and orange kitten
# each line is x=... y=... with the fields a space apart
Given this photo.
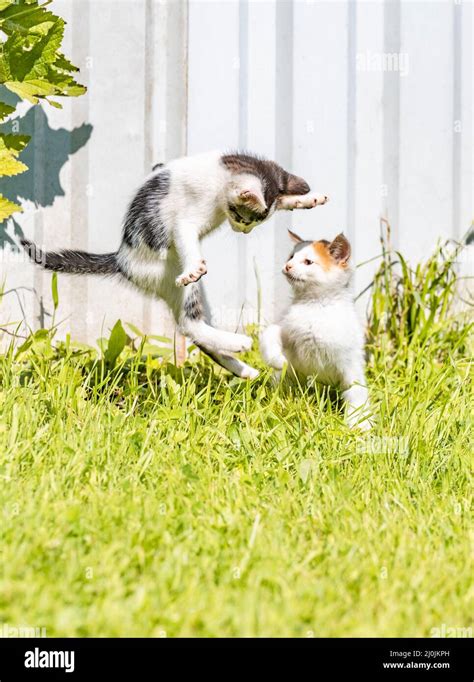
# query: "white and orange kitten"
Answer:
x=320 y=335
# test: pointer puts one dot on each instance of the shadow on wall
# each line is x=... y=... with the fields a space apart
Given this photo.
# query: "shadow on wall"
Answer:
x=45 y=155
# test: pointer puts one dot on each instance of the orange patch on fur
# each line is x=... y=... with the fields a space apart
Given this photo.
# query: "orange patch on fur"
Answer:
x=324 y=257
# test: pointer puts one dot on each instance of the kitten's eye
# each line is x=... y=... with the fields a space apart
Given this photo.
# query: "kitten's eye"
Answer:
x=308 y=262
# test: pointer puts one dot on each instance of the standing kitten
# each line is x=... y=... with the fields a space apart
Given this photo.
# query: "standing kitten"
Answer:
x=177 y=205
x=320 y=335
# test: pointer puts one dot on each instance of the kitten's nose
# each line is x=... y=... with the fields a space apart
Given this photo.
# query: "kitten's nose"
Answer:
x=288 y=267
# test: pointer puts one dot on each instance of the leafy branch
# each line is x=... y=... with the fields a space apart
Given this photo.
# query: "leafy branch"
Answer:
x=33 y=68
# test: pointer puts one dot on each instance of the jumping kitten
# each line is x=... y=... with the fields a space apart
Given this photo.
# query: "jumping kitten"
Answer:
x=177 y=205
x=320 y=335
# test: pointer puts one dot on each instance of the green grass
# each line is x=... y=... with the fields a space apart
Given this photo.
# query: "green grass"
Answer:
x=139 y=498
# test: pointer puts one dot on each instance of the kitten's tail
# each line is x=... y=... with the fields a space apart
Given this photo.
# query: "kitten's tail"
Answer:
x=73 y=262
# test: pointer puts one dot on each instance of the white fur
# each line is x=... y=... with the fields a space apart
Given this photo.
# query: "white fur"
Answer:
x=320 y=335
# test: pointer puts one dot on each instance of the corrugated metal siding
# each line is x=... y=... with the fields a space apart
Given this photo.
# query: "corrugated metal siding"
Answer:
x=308 y=83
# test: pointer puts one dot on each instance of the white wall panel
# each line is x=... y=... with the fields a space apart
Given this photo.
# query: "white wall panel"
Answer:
x=311 y=83
x=426 y=126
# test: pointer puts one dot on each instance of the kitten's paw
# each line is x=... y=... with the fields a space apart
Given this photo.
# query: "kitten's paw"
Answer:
x=311 y=200
x=241 y=343
x=250 y=373
x=246 y=342
x=277 y=361
x=194 y=275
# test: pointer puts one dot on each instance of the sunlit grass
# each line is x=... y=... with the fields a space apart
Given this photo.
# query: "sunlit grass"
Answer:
x=139 y=498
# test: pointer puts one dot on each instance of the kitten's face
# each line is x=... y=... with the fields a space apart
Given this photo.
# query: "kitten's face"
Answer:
x=254 y=189
x=245 y=203
x=320 y=265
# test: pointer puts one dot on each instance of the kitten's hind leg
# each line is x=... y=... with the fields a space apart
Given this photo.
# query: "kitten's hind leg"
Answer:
x=231 y=364
x=191 y=320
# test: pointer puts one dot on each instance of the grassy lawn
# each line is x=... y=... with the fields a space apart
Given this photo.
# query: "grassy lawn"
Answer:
x=139 y=498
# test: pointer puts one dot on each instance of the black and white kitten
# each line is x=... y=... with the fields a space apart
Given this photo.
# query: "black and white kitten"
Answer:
x=178 y=204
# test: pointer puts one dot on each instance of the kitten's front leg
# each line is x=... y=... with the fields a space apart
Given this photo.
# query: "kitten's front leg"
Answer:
x=292 y=201
x=189 y=253
x=192 y=274
x=271 y=347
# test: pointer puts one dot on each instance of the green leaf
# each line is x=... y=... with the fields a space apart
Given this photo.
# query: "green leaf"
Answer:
x=64 y=64
x=157 y=351
x=9 y=165
x=10 y=146
x=5 y=110
x=18 y=18
x=54 y=104
x=31 y=63
x=30 y=90
x=161 y=339
x=7 y=208
x=15 y=143
x=116 y=344
x=24 y=346
x=54 y=289
x=134 y=329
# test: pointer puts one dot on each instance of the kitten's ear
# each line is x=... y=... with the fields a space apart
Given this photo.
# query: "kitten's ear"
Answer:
x=252 y=198
x=294 y=237
x=340 y=249
x=296 y=185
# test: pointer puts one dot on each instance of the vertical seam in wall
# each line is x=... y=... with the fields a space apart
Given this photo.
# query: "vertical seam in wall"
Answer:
x=183 y=112
x=80 y=175
x=176 y=79
x=456 y=228
x=391 y=120
x=284 y=47
x=243 y=105
x=351 y=121
x=186 y=74
x=149 y=58
x=148 y=85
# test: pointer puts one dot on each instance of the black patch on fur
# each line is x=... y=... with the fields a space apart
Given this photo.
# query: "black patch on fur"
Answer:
x=73 y=262
x=193 y=308
x=302 y=245
x=214 y=356
x=276 y=181
x=143 y=223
